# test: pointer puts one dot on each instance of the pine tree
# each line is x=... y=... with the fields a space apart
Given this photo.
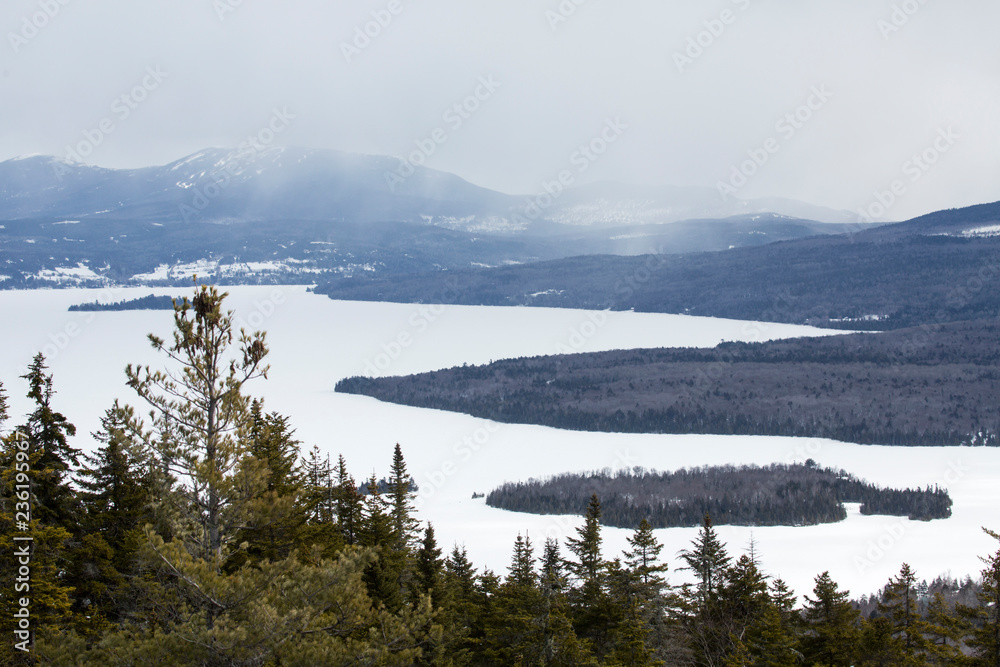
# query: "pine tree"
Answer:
x=708 y=560
x=377 y=533
x=592 y=610
x=205 y=404
x=900 y=607
x=347 y=503
x=429 y=569
x=984 y=639
x=831 y=621
x=48 y=432
x=945 y=630
x=643 y=562
x=116 y=482
x=400 y=494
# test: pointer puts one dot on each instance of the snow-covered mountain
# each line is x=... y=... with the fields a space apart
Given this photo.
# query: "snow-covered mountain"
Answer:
x=298 y=215
x=243 y=185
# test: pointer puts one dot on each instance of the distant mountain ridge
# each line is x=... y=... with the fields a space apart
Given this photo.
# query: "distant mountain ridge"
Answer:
x=228 y=185
x=302 y=215
x=934 y=269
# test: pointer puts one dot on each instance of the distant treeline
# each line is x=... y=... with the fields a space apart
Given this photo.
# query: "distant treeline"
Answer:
x=150 y=302
x=775 y=495
x=927 y=386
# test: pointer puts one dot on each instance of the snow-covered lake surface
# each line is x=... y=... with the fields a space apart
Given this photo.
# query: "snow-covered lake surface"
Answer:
x=316 y=341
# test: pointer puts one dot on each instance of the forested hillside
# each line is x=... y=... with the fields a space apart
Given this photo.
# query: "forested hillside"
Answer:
x=921 y=386
x=931 y=270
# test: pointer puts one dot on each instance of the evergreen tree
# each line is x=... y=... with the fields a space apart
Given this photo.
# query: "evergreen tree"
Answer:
x=377 y=533
x=592 y=610
x=945 y=630
x=48 y=432
x=984 y=639
x=708 y=560
x=643 y=562
x=429 y=569
x=831 y=621
x=347 y=503
x=277 y=508
x=205 y=403
x=48 y=552
x=116 y=482
x=404 y=524
x=900 y=607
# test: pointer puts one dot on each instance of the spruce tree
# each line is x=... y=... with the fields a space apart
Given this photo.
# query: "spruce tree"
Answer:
x=48 y=432
x=643 y=561
x=592 y=610
x=400 y=493
x=708 y=560
x=347 y=503
x=832 y=624
x=377 y=533
x=984 y=639
x=900 y=607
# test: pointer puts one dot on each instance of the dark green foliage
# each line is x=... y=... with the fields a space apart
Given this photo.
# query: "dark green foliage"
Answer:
x=928 y=386
x=314 y=572
x=905 y=275
x=831 y=625
x=47 y=432
x=745 y=495
x=150 y=302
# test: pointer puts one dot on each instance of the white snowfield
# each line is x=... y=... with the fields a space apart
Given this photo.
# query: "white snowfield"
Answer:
x=316 y=341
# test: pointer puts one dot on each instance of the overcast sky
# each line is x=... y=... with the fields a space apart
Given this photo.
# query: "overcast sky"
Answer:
x=698 y=88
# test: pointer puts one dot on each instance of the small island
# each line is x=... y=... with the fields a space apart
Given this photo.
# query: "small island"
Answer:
x=150 y=302
x=774 y=495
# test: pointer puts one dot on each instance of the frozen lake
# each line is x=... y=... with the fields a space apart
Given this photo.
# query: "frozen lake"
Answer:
x=316 y=341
